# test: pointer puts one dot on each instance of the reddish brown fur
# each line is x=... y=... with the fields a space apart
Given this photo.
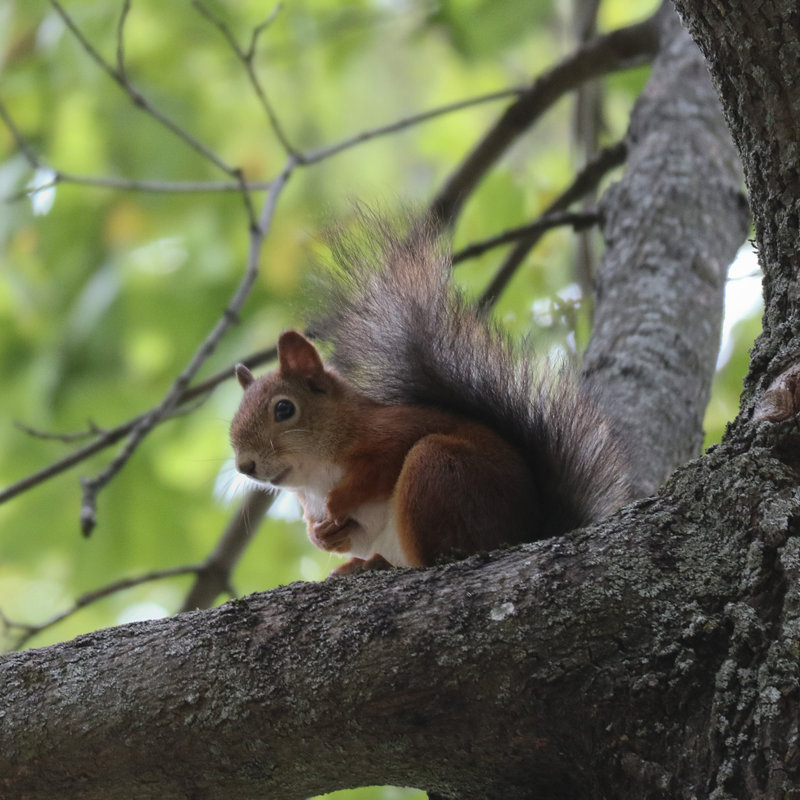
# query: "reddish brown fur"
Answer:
x=456 y=487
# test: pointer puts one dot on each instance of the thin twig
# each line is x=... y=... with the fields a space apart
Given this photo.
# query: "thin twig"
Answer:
x=578 y=220
x=214 y=577
x=247 y=58
x=111 y=436
x=237 y=185
x=92 y=486
x=585 y=181
x=327 y=151
x=77 y=436
x=134 y=185
x=120 y=77
x=260 y=28
x=123 y=16
x=93 y=597
x=617 y=50
x=25 y=149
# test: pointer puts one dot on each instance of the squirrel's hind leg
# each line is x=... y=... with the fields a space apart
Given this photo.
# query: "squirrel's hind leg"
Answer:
x=452 y=498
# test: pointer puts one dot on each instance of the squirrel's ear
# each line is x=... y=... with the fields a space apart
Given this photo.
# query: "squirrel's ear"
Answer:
x=298 y=355
x=243 y=375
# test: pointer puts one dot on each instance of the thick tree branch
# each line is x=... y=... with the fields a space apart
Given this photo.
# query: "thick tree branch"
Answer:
x=660 y=287
x=550 y=646
x=757 y=81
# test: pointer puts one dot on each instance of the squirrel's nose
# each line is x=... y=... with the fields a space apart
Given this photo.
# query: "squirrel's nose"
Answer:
x=246 y=466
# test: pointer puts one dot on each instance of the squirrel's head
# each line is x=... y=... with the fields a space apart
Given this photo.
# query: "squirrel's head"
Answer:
x=289 y=421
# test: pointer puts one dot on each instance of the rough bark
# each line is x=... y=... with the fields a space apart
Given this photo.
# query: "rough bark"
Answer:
x=656 y=333
x=753 y=51
x=654 y=656
x=623 y=661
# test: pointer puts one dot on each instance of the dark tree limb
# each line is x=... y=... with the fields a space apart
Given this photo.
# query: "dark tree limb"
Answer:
x=757 y=79
x=620 y=49
x=578 y=220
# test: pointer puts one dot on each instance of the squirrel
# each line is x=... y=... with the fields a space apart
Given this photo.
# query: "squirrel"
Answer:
x=427 y=437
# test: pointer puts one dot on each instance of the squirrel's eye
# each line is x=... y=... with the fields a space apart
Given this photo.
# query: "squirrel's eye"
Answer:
x=283 y=410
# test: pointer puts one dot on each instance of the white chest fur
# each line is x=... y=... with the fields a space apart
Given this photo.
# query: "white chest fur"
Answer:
x=378 y=534
x=377 y=531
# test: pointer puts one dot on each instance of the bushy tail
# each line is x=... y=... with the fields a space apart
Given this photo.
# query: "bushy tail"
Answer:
x=404 y=335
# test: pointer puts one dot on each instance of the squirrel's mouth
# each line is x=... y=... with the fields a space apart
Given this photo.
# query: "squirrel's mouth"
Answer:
x=278 y=479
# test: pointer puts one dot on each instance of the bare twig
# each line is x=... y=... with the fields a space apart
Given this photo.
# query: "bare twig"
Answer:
x=578 y=220
x=123 y=16
x=617 y=50
x=77 y=436
x=260 y=28
x=178 y=187
x=323 y=153
x=91 y=486
x=23 y=146
x=92 y=597
x=247 y=58
x=214 y=576
x=586 y=180
x=134 y=185
x=109 y=437
x=120 y=77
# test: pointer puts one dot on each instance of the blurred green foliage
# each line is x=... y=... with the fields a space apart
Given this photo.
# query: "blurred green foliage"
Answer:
x=106 y=295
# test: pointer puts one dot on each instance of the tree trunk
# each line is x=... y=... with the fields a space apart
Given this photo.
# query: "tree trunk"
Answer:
x=671 y=229
x=652 y=656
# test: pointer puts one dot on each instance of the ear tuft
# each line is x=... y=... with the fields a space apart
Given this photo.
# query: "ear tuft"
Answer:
x=243 y=375
x=298 y=356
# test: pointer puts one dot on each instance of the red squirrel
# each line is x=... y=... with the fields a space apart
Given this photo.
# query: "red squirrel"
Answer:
x=427 y=437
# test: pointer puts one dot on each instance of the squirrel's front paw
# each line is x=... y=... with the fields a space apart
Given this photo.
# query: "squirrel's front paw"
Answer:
x=331 y=535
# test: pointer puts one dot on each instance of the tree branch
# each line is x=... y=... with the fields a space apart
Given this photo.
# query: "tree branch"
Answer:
x=120 y=77
x=658 y=310
x=91 y=486
x=87 y=599
x=108 y=437
x=578 y=220
x=620 y=49
x=560 y=669
x=303 y=159
x=585 y=181
x=246 y=58
x=214 y=575
x=19 y=139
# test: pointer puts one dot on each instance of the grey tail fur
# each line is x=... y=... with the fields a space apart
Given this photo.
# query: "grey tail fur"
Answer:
x=405 y=336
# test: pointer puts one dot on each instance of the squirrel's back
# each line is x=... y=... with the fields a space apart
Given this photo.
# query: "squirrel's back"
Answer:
x=404 y=335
